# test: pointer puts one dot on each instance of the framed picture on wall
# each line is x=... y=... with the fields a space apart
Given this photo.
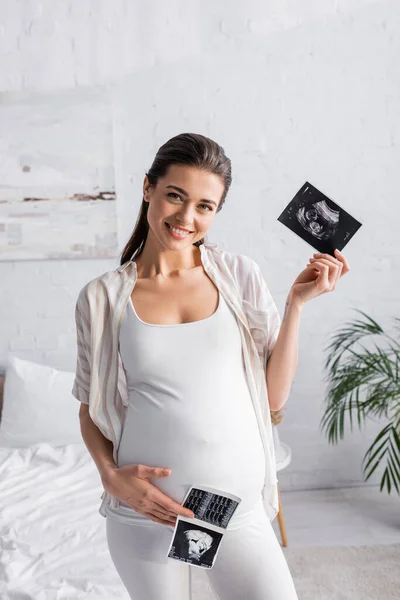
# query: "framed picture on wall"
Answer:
x=57 y=184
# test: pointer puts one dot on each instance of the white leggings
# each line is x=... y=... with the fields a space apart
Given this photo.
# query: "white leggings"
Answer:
x=250 y=563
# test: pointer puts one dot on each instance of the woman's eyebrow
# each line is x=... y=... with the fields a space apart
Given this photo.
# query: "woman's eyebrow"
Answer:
x=186 y=194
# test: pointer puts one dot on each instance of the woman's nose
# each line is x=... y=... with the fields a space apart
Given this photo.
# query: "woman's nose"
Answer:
x=185 y=218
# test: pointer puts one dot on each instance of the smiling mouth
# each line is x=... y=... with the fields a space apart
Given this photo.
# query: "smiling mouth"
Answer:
x=185 y=231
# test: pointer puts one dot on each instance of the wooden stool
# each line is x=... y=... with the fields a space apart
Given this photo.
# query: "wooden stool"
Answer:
x=281 y=522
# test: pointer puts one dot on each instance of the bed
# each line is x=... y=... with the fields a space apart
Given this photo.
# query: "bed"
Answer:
x=52 y=538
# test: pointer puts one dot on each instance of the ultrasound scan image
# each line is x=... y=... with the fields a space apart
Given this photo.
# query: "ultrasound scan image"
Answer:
x=318 y=220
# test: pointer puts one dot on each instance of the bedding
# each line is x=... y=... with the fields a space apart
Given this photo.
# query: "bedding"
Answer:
x=52 y=537
x=38 y=406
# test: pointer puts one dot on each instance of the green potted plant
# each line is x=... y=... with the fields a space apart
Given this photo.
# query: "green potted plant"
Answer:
x=365 y=383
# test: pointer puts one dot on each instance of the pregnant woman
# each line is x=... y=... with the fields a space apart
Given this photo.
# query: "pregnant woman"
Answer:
x=171 y=346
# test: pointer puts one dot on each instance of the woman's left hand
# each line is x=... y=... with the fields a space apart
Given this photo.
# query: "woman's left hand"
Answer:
x=319 y=277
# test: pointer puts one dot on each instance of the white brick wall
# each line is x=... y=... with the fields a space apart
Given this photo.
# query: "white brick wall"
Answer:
x=298 y=91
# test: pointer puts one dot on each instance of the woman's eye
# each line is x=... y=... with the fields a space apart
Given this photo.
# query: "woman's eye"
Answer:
x=177 y=196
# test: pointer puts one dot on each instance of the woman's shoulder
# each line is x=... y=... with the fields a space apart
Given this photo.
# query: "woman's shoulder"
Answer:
x=98 y=286
x=248 y=276
x=241 y=265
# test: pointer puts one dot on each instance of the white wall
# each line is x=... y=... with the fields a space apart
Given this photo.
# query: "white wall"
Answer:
x=294 y=92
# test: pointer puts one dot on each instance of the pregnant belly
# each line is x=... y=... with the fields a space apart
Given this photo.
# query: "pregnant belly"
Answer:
x=199 y=447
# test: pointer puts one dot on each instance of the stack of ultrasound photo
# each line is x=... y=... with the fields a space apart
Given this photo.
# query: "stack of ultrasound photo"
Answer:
x=197 y=541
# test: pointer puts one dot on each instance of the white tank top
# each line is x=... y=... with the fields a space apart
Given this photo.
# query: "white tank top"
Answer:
x=190 y=410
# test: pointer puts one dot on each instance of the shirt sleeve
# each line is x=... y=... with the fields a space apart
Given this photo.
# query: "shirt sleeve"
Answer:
x=81 y=385
x=262 y=313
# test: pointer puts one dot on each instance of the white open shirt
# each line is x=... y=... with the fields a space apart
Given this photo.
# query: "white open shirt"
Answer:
x=100 y=378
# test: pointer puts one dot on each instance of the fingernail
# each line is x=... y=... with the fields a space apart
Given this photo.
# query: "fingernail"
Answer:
x=338 y=251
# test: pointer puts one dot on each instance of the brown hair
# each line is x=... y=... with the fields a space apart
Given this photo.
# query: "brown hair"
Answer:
x=190 y=149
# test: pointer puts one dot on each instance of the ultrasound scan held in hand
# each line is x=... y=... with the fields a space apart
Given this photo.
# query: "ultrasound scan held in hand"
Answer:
x=318 y=220
x=197 y=541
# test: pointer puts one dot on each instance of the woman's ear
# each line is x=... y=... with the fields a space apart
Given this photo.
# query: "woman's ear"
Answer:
x=146 y=188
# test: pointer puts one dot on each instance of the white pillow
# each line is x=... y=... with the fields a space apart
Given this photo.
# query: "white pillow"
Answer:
x=38 y=406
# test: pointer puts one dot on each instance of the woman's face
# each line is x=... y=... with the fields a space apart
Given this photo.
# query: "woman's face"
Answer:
x=192 y=207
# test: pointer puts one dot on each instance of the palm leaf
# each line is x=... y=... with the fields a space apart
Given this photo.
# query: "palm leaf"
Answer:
x=390 y=446
x=365 y=383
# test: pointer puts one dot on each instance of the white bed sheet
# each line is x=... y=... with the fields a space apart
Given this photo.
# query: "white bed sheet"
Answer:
x=52 y=538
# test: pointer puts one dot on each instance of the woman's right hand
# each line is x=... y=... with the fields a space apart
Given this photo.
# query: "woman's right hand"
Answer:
x=129 y=484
